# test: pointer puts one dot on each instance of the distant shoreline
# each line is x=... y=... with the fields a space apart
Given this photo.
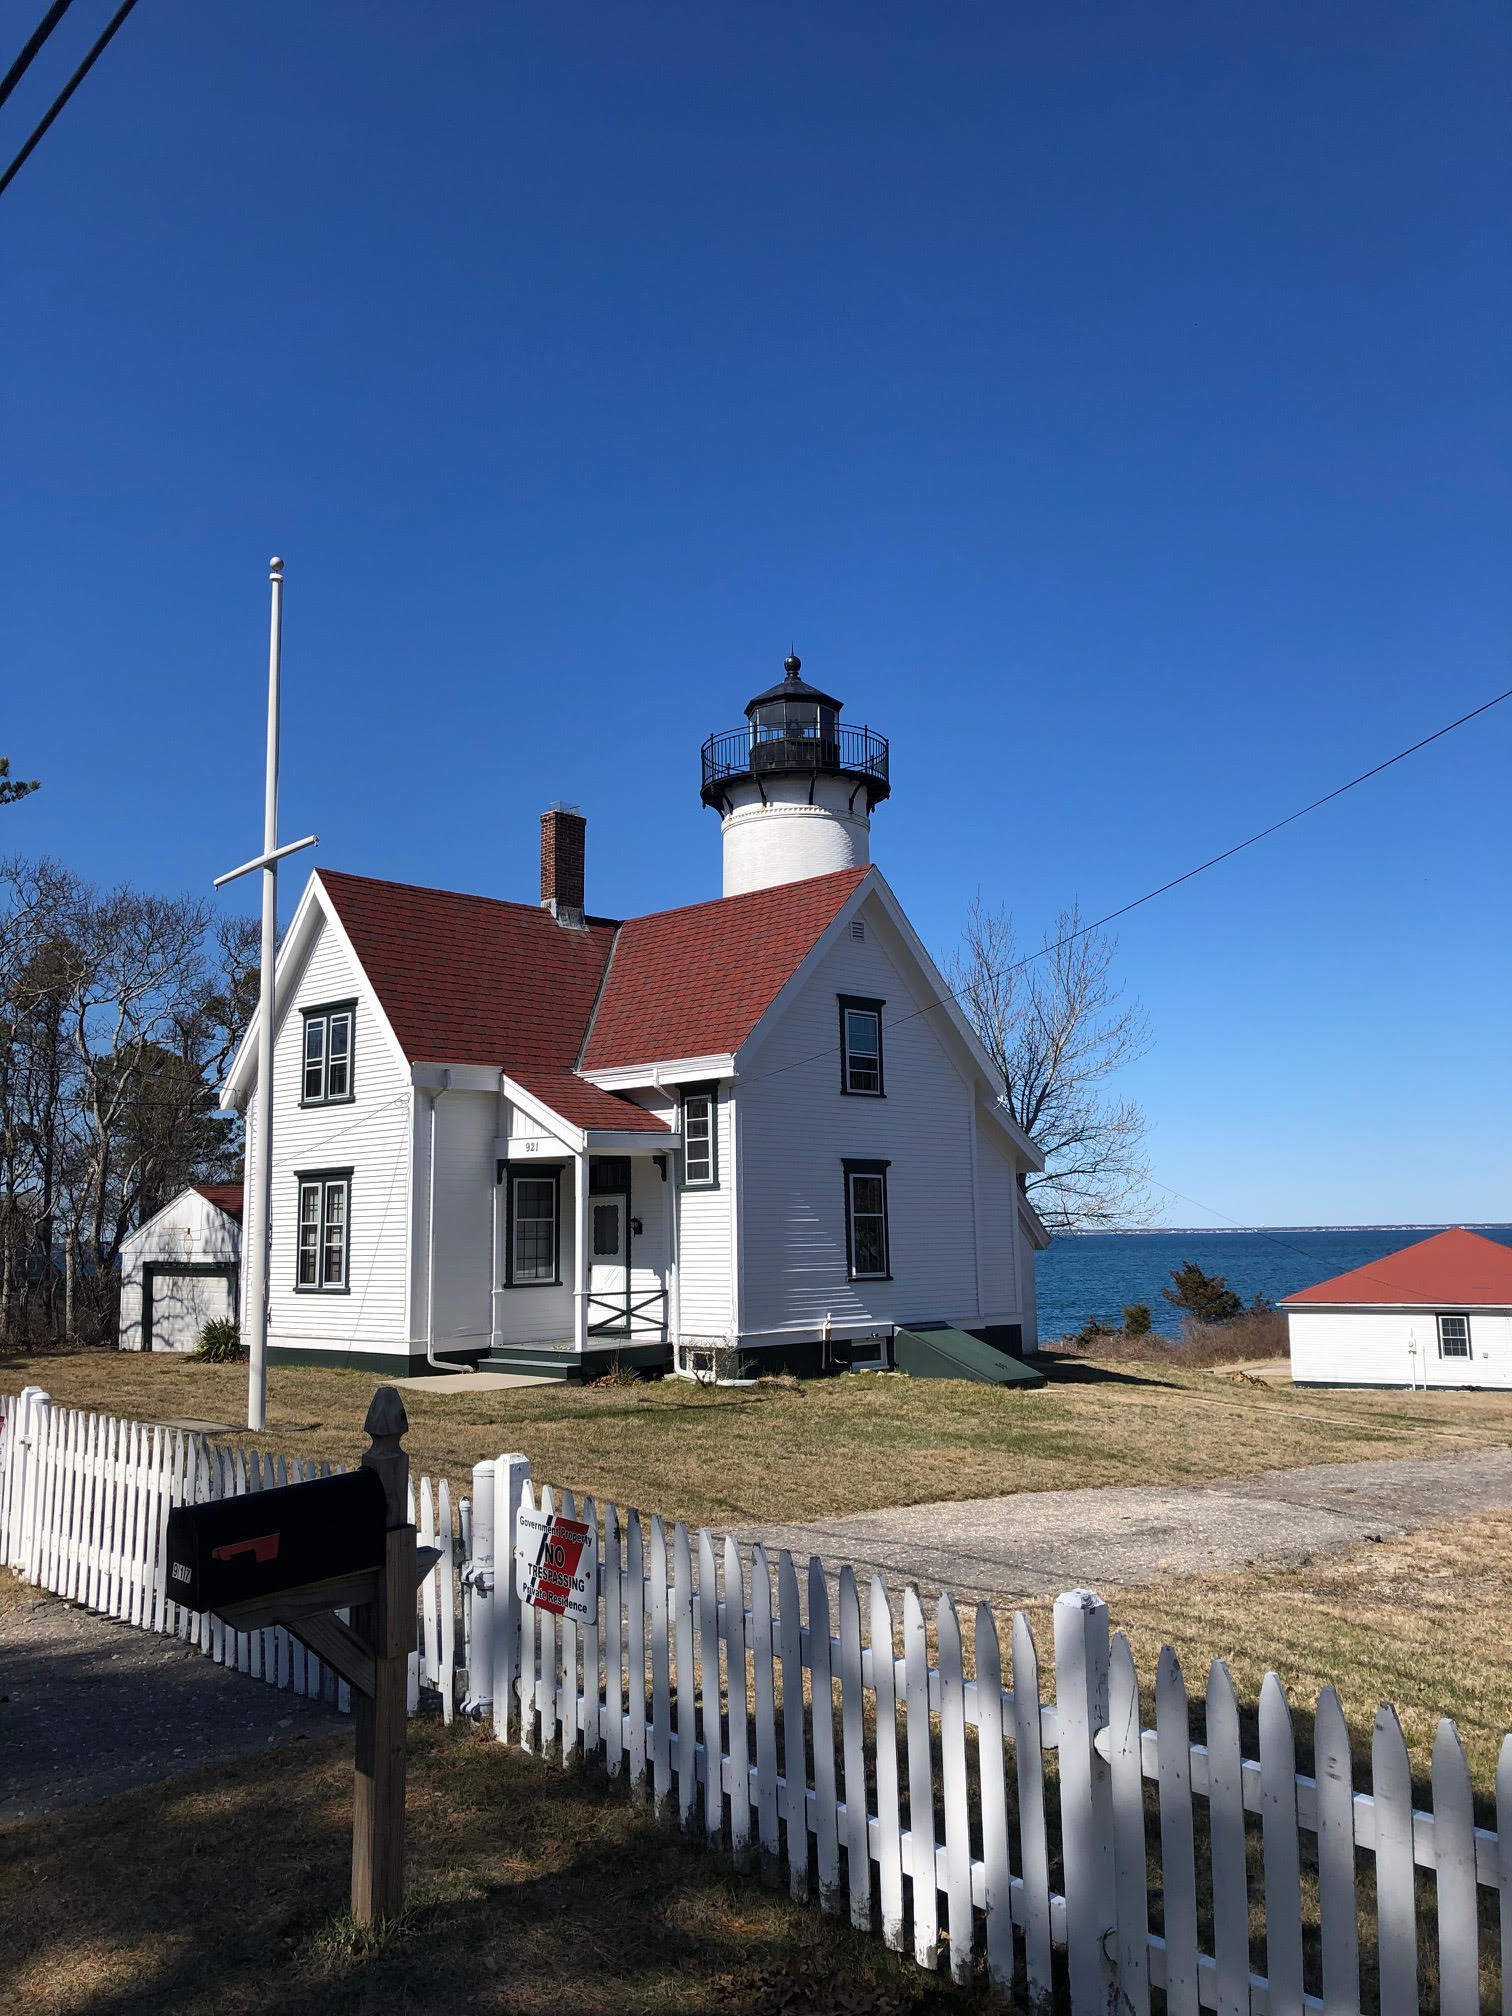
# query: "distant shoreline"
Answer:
x=1228 y=1231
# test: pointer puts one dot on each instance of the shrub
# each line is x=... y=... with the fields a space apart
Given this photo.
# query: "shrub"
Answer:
x=1091 y=1332
x=1254 y=1333
x=1206 y=1298
x=219 y=1342
x=1137 y=1320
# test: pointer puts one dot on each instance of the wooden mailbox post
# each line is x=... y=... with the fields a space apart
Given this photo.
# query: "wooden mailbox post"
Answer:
x=295 y=1557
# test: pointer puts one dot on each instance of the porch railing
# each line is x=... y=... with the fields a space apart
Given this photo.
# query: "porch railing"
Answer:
x=621 y=1313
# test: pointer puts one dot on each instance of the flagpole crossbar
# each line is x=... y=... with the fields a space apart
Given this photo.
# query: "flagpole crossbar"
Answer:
x=266 y=860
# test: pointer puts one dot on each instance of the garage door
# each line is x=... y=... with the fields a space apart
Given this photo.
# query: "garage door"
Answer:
x=182 y=1304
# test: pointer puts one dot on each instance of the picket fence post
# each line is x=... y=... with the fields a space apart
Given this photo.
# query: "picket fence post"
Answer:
x=1086 y=1800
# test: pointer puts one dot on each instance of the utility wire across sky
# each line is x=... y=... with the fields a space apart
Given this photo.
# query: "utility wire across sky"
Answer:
x=39 y=35
x=1138 y=902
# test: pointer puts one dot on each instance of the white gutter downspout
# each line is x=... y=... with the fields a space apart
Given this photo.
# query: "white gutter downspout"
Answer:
x=436 y=1364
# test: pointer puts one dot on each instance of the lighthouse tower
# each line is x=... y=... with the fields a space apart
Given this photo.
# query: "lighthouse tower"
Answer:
x=794 y=788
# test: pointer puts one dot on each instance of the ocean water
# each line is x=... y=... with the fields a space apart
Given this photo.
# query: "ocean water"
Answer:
x=1099 y=1273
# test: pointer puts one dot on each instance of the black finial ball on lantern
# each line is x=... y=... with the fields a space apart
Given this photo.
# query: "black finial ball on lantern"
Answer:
x=792 y=665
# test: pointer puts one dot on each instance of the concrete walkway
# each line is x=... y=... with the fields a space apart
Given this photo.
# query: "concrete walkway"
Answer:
x=1038 y=1543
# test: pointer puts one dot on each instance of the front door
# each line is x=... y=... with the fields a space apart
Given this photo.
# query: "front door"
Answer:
x=609 y=1264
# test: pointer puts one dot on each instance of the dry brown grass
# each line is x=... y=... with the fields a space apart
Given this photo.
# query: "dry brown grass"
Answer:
x=738 y=1456
x=531 y=1889
x=1258 y=1333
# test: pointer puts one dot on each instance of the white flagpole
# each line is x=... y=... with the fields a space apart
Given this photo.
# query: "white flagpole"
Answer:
x=259 y=1213
x=260 y=1186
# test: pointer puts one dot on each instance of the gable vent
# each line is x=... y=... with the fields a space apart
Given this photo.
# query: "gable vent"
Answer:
x=858 y=930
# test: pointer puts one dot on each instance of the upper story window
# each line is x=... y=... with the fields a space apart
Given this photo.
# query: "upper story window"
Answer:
x=1454 y=1336
x=325 y=1213
x=327 y=1077
x=700 y=1138
x=861 y=1045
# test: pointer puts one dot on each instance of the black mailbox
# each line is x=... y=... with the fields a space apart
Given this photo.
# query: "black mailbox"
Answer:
x=237 y=1550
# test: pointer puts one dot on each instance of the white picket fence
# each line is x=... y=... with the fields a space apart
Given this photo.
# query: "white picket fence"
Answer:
x=84 y=1504
x=784 y=1714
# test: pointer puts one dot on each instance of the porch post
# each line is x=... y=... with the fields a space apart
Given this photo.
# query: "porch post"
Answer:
x=580 y=1248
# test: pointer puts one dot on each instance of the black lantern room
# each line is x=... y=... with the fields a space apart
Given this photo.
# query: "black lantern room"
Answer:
x=794 y=729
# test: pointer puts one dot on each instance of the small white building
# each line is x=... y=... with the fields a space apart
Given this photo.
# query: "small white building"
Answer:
x=753 y=1130
x=182 y=1269
x=1437 y=1313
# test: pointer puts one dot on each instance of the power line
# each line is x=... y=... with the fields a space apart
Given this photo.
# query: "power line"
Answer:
x=38 y=36
x=105 y=36
x=1228 y=853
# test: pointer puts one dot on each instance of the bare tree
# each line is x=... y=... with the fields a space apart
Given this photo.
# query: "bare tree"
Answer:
x=1057 y=1027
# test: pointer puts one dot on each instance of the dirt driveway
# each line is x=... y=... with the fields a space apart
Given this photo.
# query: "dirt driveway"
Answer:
x=1037 y=1543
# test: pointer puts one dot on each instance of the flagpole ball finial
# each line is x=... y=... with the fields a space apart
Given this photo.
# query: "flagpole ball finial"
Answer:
x=275 y=568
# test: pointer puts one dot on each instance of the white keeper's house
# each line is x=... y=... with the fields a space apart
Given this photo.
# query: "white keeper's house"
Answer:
x=1438 y=1313
x=751 y=1133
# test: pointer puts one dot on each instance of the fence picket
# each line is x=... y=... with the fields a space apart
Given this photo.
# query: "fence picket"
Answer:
x=1173 y=1730
x=1230 y=1873
x=1454 y=1876
x=687 y=1691
x=1034 y=1848
x=794 y=1731
x=1130 y=1861
x=766 y=1711
x=709 y=1710
x=921 y=1822
x=614 y=1647
x=1280 y=1856
x=889 y=1827
x=590 y=1713
x=822 y=1736
x=953 y=1777
x=569 y=1638
x=735 y=1704
x=430 y=1656
x=635 y=1646
x=546 y=1670
x=1338 y=1907
x=1504 y=1867
x=1396 y=1903
x=853 y=1753
x=661 y=1671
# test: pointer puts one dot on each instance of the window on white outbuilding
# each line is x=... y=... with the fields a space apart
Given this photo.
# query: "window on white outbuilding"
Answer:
x=700 y=1146
x=327 y=1079
x=324 y=1262
x=1454 y=1336
x=861 y=1046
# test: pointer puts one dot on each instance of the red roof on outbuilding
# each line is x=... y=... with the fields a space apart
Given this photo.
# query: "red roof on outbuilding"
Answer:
x=225 y=1197
x=695 y=982
x=1457 y=1268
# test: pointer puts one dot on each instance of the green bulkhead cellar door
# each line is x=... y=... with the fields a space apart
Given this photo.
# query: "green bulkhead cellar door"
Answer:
x=941 y=1353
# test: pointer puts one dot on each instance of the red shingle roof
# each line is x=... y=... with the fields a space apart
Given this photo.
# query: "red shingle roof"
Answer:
x=695 y=982
x=1455 y=1267
x=471 y=980
x=225 y=1197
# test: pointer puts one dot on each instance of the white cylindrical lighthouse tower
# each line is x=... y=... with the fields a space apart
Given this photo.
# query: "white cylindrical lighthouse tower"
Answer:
x=794 y=788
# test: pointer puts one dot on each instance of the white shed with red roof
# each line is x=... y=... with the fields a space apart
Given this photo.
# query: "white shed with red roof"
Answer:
x=751 y=1130
x=181 y=1269
x=1436 y=1313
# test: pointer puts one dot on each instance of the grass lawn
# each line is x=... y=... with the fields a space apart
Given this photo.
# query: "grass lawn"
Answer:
x=778 y=1451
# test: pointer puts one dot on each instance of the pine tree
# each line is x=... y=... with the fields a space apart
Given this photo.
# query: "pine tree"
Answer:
x=12 y=788
x=1207 y=1298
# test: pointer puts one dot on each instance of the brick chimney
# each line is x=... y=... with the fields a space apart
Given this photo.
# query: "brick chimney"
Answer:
x=562 y=831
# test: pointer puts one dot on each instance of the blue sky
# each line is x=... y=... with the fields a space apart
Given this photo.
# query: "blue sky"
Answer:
x=1111 y=403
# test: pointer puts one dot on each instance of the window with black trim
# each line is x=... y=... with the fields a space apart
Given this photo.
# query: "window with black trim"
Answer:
x=1454 y=1336
x=867 y=1248
x=535 y=1228
x=327 y=1079
x=700 y=1133
x=323 y=1264
x=861 y=1046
